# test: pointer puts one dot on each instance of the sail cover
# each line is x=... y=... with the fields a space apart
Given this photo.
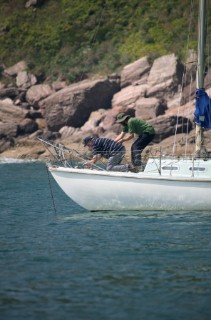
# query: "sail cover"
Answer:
x=203 y=109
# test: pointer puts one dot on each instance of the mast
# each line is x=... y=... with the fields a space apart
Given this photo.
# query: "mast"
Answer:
x=201 y=65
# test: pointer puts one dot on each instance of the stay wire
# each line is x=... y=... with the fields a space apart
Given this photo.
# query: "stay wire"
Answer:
x=51 y=190
x=208 y=52
x=183 y=78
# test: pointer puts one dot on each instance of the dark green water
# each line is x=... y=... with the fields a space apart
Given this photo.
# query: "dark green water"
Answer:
x=73 y=264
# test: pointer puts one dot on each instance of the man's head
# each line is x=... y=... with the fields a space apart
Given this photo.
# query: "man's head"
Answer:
x=122 y=117
x=88 y=141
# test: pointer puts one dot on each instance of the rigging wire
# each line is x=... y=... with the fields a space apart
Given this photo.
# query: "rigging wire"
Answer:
x=208 y=53
x=51 y=190
x=184 y=79
x=187 y=126
x=208 y=85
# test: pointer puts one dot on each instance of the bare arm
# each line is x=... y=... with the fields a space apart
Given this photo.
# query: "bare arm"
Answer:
x=128 y=137
x=91 y=162
x=123 y=138
x=95 y=158
x=120 y=137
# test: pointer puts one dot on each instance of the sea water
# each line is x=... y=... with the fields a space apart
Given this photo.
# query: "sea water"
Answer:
x=60 y=261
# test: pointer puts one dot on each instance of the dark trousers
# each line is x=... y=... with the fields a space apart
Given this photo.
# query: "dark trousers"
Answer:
x=138 y=146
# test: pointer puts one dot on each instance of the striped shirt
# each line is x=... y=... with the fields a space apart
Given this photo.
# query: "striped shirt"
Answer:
x=107 y=147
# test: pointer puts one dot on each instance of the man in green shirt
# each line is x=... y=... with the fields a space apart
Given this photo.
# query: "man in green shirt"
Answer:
x=134 y=126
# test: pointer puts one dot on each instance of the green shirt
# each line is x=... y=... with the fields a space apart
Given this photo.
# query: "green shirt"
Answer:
x=138 y=126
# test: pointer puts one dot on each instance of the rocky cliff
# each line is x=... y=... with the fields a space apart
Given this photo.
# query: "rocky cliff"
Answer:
x=157 y=92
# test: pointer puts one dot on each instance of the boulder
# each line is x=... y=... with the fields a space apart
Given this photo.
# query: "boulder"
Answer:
x=94 y=120
x=34 y=3
x=149 y=108
x=25 y=80
x=188 y=93
x=129 y=95
x=166 y=126
x=135 y=71
x=58 y=85
x=186 y=110
x=191 y=67
x=8 y=129
x=6 y=143
x=9 y=112
x=174 y=101
x=70 y=134
x=109 y=121
x=165 y=76
x=15 y=69
x=67 y=132
x=73 y=105
x=38 y=92
x=110 y=117
x=27 y=126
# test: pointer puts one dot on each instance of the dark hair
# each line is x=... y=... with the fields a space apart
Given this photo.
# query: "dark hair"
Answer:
x=87 y=139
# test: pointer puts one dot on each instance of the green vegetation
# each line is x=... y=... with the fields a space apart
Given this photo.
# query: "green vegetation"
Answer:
x=76 y=38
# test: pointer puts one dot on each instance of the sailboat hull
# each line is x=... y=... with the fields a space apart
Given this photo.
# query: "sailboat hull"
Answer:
x=96 y=190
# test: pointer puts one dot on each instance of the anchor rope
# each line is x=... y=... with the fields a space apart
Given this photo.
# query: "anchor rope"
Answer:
x=51 y=190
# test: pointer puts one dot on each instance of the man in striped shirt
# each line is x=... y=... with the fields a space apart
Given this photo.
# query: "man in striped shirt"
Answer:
x=109 y=149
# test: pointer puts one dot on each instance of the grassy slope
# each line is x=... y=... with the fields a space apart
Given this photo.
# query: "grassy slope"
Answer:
x=78 y=37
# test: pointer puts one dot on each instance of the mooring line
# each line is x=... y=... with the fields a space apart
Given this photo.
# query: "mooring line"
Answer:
x=51 y=190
